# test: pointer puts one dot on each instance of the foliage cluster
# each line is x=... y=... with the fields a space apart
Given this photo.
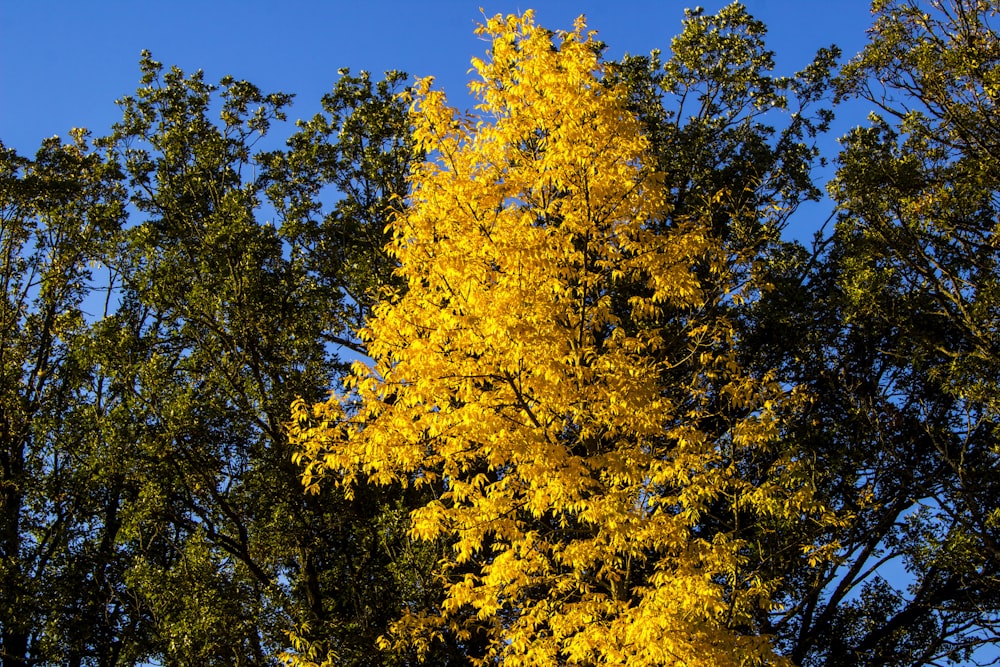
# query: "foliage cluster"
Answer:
x=563 y=390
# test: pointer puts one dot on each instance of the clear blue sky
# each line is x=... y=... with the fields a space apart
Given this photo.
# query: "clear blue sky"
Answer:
x=63 y=63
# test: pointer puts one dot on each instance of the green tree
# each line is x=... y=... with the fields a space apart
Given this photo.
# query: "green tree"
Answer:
x=58 y=507
x=892 y=323
x=228 y=318
x=152 y=513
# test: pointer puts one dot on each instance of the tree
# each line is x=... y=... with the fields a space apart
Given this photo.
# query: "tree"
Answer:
x=228 y=317
x=606 y=412
x=155 y=328
x=58 y=508
x=526 y=373
x=891 y=325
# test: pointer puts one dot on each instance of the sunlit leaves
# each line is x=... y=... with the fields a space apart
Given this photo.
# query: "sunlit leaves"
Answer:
x=525 y=372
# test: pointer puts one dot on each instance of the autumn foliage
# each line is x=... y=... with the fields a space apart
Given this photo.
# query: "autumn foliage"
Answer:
x=607 y=406
x=546 y=371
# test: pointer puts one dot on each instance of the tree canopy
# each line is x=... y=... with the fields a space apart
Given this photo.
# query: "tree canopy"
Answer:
x=546 y=382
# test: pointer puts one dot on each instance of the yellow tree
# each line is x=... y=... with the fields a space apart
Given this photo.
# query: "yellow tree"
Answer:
x=527 y=374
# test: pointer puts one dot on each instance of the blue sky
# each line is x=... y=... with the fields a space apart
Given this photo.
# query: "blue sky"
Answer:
x=63 y=63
